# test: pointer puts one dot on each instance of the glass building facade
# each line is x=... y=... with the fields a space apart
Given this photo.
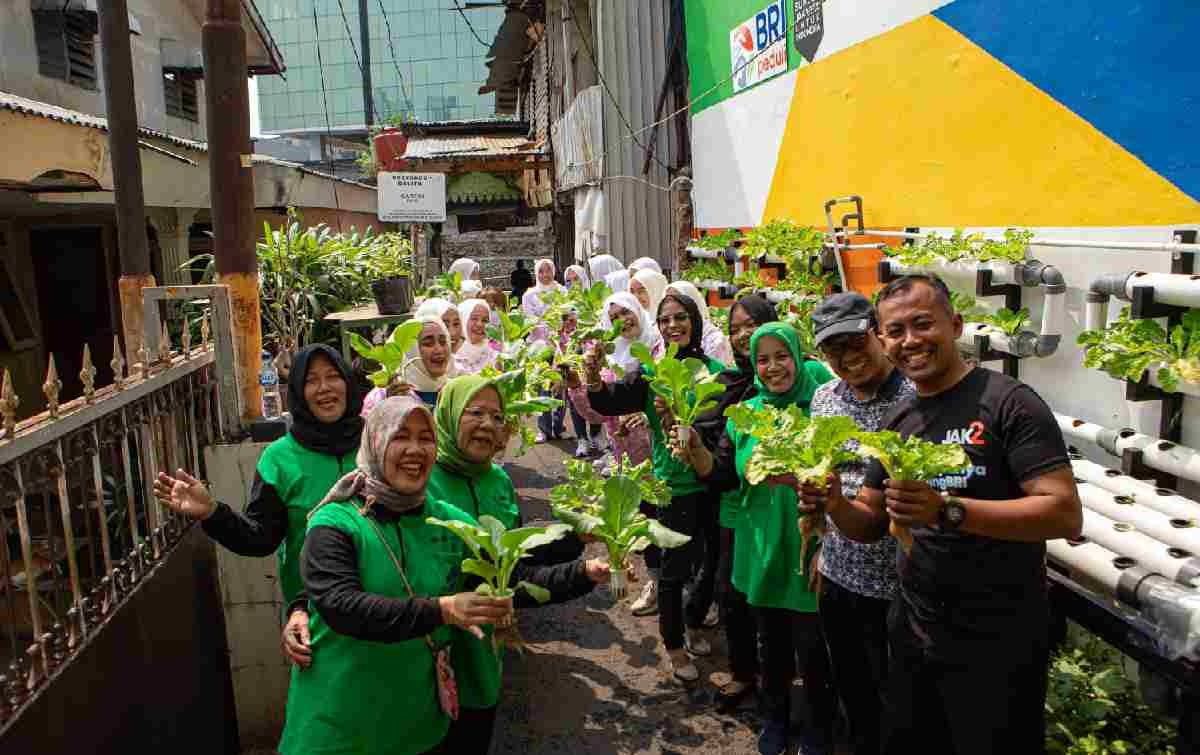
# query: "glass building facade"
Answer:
x=430 y=66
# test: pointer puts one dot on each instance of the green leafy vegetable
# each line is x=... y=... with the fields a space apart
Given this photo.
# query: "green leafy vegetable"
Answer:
x=446 y=286
x=784 y=239
x=390 y=356
x=934 y=249
x=609 y=510
x=911 y=459
x=797 y=312
x=708 y=270
x=496 y=552
x=686 y=386
x=1006 y=321
x=512 y=331
x=719 y=316
x=1128 y=347
x=718 y=241
x=520 y=387
x=965 y=305
x=1012 y=249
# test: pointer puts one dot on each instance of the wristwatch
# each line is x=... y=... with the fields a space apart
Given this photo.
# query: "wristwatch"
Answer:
x=952 y=514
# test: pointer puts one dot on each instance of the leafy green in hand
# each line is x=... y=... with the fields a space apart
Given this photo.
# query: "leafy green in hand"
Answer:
x=390 y=355
x=496 y=552
x=685 y=385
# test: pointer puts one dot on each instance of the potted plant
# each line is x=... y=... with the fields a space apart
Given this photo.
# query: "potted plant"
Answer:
x=389 y=262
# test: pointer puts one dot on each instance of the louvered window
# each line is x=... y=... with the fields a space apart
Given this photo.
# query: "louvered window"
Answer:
x=179 y=90
x=66 y=46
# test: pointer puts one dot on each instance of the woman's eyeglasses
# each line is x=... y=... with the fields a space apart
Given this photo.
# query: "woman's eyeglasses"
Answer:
x=481 y=415
x=679 y=318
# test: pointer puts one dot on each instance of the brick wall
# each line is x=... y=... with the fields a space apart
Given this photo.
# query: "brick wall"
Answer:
x=497 y=252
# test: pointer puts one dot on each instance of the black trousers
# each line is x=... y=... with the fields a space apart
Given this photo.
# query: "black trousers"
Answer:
x=741 y=629
x=653 y=554
x=707 y=562
x=789 y=636
x=471 y=734
x=987 y=704
x=677 y=564
x=855 y=628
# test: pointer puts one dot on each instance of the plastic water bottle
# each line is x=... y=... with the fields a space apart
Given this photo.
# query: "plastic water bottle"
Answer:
x=268 y=378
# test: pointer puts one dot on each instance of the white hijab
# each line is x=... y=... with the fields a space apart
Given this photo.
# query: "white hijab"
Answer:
x=436 y=306
x=645 y=263
x=649 y=334
x=618 y=281
x=655 y=284
x=465 y=266
x=688 y=289
x=417 y=373
x=603 y=264
x=469 y=354
x=584 y=280
x=537 y=284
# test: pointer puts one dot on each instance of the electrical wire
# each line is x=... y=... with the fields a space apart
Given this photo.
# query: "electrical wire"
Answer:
x=587 y=45
x=688 y=106
x=463 y=13
x=396 y=60
x=325 y=101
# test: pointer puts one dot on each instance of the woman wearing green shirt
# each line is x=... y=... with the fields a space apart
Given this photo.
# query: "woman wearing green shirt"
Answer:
x=691 y=510
x=767 y=567
x=293 y=473
x=470 y=420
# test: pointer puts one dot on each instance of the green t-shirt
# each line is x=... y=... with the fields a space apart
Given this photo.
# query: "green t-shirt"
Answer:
x=478 y=668
x=378 y=698
x=767 y=567
x=302 y=478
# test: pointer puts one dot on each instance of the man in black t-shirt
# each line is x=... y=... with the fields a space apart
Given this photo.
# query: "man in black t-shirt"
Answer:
x=520 y=280
x=969 y=626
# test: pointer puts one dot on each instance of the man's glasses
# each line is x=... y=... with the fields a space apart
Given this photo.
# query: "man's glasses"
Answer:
x=839 y=346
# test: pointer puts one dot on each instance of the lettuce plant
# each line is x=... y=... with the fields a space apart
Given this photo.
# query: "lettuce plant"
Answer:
x=1007 y=321
x=520 y=392
x=718 y=241
x=446 y=286
x=609 y=511
x=390 y=355
x=1128 y=347
x=708 y=270
x=790 y=443
x=685 y=385
x=913 y=459
x=495 y=552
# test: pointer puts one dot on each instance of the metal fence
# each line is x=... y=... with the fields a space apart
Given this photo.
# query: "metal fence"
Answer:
x=81 y=527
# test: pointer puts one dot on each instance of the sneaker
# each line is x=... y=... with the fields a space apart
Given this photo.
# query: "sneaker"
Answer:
x=774 y=739
x=713 y=618
x=695 y=644
x=541 y=438
x=647 y=602
x=682 y=666
x=594 y=447
x=581 y=450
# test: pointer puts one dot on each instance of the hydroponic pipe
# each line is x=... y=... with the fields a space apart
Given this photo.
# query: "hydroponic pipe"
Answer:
x=1172 y=610
x=1162 y=500
x=1116 y=246
x=1120 y=537
x=1073 y=427
x=1163 y=455
x=1181 y=290
x=1178 y=533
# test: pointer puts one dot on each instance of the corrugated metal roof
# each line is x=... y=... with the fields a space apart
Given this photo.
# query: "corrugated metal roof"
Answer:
x=470 y=146
x=27 y=106
x=268 y=160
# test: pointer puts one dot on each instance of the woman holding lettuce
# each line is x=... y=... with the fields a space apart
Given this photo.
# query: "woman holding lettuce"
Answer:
x=680 y=323
x=767 y=564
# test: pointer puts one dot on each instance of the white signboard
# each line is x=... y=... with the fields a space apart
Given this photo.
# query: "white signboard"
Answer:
x=758 y=47
x=412 y=197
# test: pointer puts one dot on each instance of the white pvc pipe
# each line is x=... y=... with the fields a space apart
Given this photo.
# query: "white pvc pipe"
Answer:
x=696 y=252
x=1054 y=314
x=966 y=341
x=962 y=271
x=1164 y=501
x=1153 y=523
x=1119 y=538
x=1073 y=427
x=1095 y=315
x=1169 y=288
x=1090 y=564
x=1136 y=246
x=1164 y=456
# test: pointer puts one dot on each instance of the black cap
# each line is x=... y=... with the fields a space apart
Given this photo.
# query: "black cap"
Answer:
x=840 y=314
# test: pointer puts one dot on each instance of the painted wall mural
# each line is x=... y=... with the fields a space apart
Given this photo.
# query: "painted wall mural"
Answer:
x=968 y=113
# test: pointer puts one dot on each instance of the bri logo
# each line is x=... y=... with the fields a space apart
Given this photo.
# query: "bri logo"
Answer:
x=971 y=435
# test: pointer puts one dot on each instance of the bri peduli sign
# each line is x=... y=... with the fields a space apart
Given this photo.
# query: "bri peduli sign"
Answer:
x=758 y=47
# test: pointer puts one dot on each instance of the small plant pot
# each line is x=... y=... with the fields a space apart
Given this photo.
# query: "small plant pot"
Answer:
x=393 y=296
x=680 y=444
x=715 y=300
x=618 y=584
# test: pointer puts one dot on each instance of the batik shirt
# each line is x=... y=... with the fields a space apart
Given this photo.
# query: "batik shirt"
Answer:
x=865 y=568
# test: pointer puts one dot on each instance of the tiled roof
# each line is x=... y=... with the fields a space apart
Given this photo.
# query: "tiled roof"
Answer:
x=27 y=106
x=467 y=146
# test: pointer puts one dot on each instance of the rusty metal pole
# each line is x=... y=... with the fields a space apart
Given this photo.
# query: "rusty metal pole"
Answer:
x=231 y=180
x=121 y=107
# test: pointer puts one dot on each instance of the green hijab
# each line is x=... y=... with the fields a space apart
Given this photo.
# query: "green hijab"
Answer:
x=452 y=400
x=801 y=391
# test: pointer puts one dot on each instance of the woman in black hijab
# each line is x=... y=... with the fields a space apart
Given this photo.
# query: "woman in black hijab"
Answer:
x=746 y=315
x=294 y=473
